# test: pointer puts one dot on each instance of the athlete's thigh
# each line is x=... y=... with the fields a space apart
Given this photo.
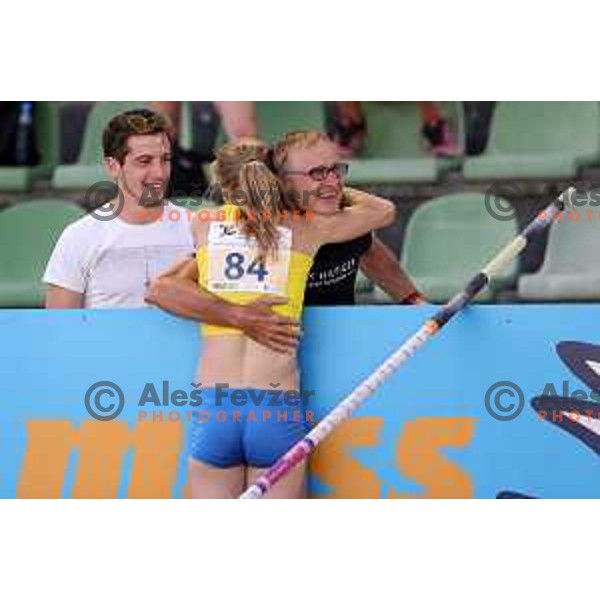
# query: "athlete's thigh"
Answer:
x=214 y=482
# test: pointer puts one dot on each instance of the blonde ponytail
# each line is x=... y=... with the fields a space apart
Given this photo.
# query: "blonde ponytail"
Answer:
x=263 y=196
x=243 y=172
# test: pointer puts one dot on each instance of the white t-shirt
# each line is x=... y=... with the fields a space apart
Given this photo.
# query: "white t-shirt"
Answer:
x=113 y=262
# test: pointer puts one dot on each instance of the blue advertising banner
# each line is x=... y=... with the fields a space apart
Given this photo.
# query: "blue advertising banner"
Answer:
x=503 y=403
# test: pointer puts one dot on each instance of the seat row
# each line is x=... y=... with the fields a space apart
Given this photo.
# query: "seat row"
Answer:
x=448 y=240
x=528 y=140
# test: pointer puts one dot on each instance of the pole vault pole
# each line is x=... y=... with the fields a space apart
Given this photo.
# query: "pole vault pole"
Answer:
x=432 y=326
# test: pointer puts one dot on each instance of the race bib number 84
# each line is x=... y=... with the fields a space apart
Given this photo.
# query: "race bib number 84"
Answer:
x=233 y=266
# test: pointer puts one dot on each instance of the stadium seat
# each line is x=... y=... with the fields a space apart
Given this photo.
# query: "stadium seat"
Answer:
x=48 y=136
x=195 y=204
x=570 y=270
x=186 y=127
x=449 y=240
x=395 y=151
x=88 y=169
x=274 y=119
x=20 y=179
x=363 y=287
x=538 y=140
x=16 y=179
x=28 y=233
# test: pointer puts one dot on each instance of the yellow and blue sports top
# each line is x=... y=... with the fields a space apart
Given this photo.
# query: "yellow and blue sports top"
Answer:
x=228 y=268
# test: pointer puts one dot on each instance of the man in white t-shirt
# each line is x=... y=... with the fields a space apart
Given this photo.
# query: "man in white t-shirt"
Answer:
x=98 y=264
x=108 y=258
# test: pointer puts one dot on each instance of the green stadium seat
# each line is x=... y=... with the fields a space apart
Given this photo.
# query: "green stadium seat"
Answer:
x=363 y=284
x=395 y=151
x=570 y=270
x=449 y=240
x=538 y=140
x=16 y=179
x=186 y=127
x=28 y=233
x=275 y=119
x=88 y=169
x=195 y=204
x=48 y=136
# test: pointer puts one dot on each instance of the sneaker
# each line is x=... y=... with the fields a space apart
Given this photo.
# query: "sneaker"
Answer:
x=441 y=140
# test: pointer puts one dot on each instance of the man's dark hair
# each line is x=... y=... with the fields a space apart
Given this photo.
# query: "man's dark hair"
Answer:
x=140 y=121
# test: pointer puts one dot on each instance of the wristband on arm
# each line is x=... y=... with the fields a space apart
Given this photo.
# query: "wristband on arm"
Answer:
x=414 y=298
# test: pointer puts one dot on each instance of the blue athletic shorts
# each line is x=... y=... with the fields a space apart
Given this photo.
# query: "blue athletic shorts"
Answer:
x=239 y=427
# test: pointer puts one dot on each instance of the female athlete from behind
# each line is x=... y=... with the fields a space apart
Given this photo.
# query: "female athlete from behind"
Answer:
x=262 y=249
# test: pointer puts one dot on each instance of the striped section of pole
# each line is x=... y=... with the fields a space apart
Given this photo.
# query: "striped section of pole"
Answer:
x=366 y=389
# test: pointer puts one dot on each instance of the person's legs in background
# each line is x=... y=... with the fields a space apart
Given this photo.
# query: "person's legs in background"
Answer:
x=478 y=118
x=436 y=131
x=187 y=176
x=18 y=144
x=348 y=127
x=238 y=119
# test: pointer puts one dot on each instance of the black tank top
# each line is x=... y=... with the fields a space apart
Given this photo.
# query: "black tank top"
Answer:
x=333 y=275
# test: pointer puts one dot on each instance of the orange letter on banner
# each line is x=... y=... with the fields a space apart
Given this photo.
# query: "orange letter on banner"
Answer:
x=157 y=448
x=101 y=448
x=419 y=457
x=334 y=466
x=45 y=465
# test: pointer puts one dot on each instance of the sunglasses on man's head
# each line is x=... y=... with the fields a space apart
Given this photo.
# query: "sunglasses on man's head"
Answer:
x=321 y=172
x=141 y=124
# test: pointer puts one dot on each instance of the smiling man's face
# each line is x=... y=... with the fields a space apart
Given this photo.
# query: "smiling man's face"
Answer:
x=146 y=168
x=322 y=197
